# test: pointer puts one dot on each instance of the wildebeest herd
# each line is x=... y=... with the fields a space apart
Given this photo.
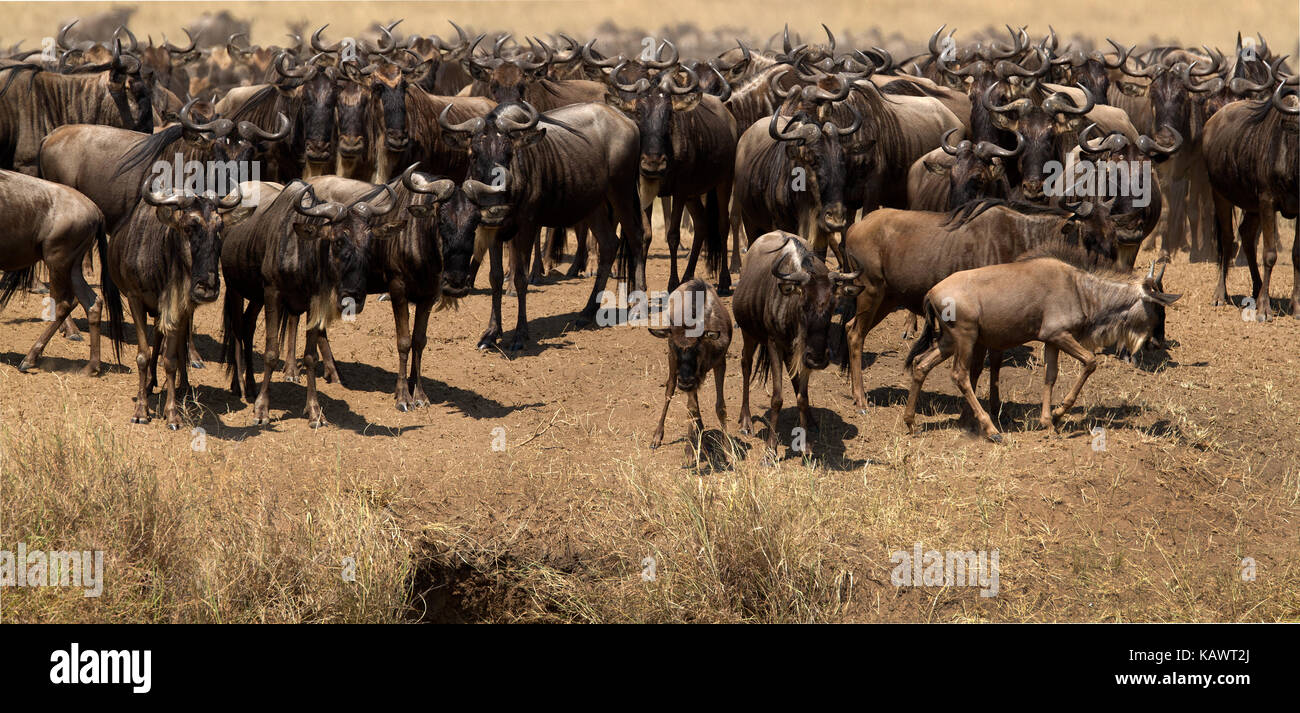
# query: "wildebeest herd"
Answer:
x=334 y=169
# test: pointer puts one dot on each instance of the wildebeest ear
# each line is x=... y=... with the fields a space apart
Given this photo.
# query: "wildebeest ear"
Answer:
x=166 y=216
x=530 y=137
x=421 y=72
x=620 y=103
x=456 y=139
x=995 y=167
x=936 y=168
x=686 y=102
x=661 y=333
x=307 y=231
x=1075 y=123
x=1132 y=89
x=235 y=217
x=850 y=289
x=476 y=71
x=387 y=231
x=1002 y=121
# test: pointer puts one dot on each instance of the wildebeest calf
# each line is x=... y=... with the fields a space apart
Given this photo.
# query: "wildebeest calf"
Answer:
x=1057 y=295
x=698 y=338
x=784 y=304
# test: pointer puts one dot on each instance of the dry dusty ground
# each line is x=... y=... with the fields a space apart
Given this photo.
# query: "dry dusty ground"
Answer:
x=1201 y=466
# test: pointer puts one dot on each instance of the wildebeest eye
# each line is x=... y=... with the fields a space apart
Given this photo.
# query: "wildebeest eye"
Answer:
x=712 y=334
x=788 y=288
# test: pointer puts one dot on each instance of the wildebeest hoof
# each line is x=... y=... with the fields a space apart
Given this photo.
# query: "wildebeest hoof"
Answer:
x=24 y=367
x=318 y=422
x=139 y=419
x=196 y=364
x=384 y=297
x=291 y=378
x=403 y=406
x=74 y=337
x=174 y=426
x=995 y=437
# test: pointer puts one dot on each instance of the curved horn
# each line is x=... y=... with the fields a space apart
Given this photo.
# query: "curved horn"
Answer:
x=636 y=87
x=233 y=49
x=316 y=42
x=170 y=198
x=231 y=199
x=1113 y=142
x=465 y=127
x=317 y=208
x=477 y=189
x=250 y=131
x=795 y=129
x=417 y=182
x=797 y=275
x=669 y=84
x=528 y=66
x=589 y=58
x=1216 y=63
x=663 y=63
x=949 y=148
x=934 y=40
x=216 y=125
x=774 y=83
x=1061 y=103
x=511 y=126
x=829 y=37
x=851 y=128
x=1213 y=85
x=986 y=100
x=464 y=37
x=1007 y=68
x=988 y=149
x=818 y=95
x=365 y=206
x=173 y=49
x=135 y=44
x=61 y=40
x=1281 y=105
x=1148 y=145
x=307 y=70
x=723 y=83
x=1121 y=54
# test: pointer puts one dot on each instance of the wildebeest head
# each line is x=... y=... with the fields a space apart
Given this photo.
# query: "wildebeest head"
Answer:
x=319 y=95
x=818 y=149
x=199 y=220
x=977 y=170
x=352 y=119
x=652 y=105
x=507 y=77
x=699 y=331
x=1130 y=220
x=1091 y=227
x=1091 y=69
x=454 y=233
x=345 y=232
x=492 y=141
x=1173 y=89
x=812 y=295
x=1146 y=319
x=1042 y=126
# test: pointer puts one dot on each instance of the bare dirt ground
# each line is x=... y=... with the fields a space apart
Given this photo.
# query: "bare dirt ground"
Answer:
x=1200 y=470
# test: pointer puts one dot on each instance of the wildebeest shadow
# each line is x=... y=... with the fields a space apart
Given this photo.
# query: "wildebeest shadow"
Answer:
x=358 y=376
x=63 y=365
x=828 y=434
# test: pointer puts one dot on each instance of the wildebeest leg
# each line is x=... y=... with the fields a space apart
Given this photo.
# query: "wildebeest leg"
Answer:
x=694 y=439
x=556 y=238
x=580 y=252
x=173 y=344
x=196 y=361
x=1268 y=219
x=658 y=436
x=910 y=329
x=61 y=293
x=401 y=319
x=519 y=250
x=800 y=385
x=1248 y=231
x=535 y=274
x=1050 y=355
x=746 y=371
x=702 y=234
x=93 y=305
x=961 y=377
x=977 y=353
x=776 y=363
x=143 y=358
x=157 y=345
x=496 y=277
x=70 y=332
x=673 y=235
x=292 y=367
x=270 y=357
x=606 y=249
x=921 y=369
x=871 y=310
x=248 y=328
x=419 y=339
x=327 y=358
x=315 y=414
x=1176 y=225
x=995 y=395
x=1085 y=357
x=183 y=384
x=1227 y=246
x=1295 y=272
x=720 y=405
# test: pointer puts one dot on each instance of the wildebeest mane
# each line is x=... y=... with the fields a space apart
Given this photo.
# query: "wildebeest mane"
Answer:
x=968 y=211
x=1074 y=255
x=149 y=149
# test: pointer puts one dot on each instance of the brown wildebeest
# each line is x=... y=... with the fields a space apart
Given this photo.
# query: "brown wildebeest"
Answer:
x=297 y=255
x=166 y=260
x=902 y=254
x=52 y=223
x=1251 y=150
x=1057 y=295
x=698 y=338
x=784 y=305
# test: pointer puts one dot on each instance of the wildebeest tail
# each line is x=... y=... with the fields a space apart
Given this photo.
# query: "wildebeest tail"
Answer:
x=112 y=297
x=13 y=281
x=715 y=243
x=928 y=337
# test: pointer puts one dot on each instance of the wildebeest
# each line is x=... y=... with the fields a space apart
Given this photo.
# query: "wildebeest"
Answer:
x=1250 y=151
x=784 y=306
x=296 y=255
x=166 y=260
x=34 y=102
x=580 y=167
x=1058 y=295
x=55 y=224
x=902 y=254
x=952 y=175
x=698 y=334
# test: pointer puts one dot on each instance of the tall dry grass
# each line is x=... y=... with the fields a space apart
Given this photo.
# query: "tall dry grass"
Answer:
x=194 y=543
